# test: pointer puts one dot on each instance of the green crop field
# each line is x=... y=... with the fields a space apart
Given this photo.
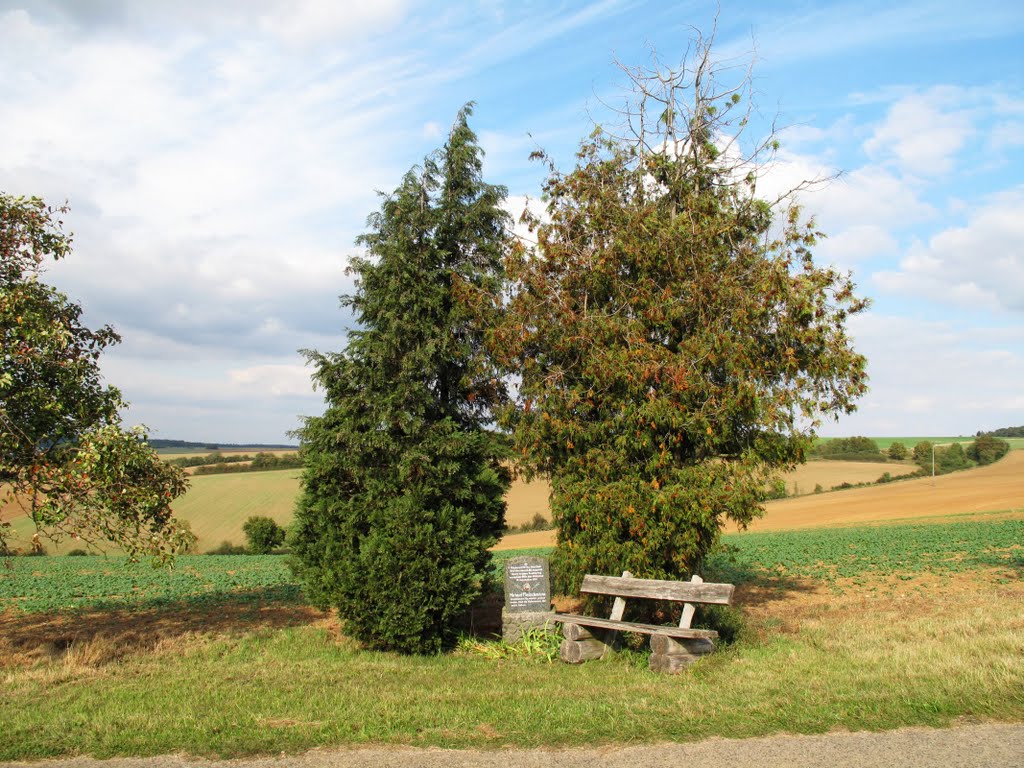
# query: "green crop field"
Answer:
x=67 y=583
x=47 y=584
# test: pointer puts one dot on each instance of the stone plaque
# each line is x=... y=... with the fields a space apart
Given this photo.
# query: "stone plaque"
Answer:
x=527 y=585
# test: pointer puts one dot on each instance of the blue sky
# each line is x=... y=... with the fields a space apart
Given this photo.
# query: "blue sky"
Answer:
x=221 y=157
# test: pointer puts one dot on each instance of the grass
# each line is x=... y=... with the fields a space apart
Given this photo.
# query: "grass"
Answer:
x=901 y=661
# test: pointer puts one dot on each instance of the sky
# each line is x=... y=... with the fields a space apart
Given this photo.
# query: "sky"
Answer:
x=220 y=158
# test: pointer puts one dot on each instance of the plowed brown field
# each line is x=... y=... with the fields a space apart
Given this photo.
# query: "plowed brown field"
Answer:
x=999 y=486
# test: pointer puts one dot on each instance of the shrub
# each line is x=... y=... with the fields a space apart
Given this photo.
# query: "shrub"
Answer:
x=77 y=553
x=897 y=451
x=777 y=490
x=923 y=453
x=950 y=459
x=227 y=548
x=403 y=487
x=263 y=534
x=987 y=449
x=849 y=449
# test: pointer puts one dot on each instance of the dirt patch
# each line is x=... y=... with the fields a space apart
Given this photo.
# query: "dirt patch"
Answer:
x=786 y=608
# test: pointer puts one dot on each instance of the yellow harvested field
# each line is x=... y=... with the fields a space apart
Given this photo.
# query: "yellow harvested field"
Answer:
x=828 y=474
x=999 y=486
x=526 y=499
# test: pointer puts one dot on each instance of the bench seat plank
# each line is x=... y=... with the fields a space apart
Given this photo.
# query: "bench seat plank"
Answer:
x=683 y=591
x=628 y=626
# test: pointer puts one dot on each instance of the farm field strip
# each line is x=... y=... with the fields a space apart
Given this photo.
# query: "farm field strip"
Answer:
x=78 y=583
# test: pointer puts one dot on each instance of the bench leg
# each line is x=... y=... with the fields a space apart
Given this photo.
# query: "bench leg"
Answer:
x=582 y=644
x=672 y=656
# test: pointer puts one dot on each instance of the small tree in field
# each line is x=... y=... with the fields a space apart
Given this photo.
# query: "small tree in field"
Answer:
x=897 y=451
x=676 y=340
x=403 y=486
x=65 y=459
x=263 y=534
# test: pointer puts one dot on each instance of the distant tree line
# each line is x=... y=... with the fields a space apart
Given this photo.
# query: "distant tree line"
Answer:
x=850 y=449
x=261 y=462
x=1004 y=432
x=161 y=444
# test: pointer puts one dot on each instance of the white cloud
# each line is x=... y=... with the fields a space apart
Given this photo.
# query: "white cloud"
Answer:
x=923 y=132
x=977 y=265
x=934 y=378
x=273 y=379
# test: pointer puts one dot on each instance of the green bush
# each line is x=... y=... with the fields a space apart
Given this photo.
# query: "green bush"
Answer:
x=227 y=548
x=77 y=553
x=897 y=451
x=849 y=449
x=923 y=453
x=777 y=490
x=987 y=449
x=263 y=534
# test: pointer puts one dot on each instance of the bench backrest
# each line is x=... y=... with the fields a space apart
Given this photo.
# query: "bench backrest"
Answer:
x=680 y=591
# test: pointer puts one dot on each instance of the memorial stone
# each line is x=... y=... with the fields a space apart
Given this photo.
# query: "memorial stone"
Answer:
x=527 y=596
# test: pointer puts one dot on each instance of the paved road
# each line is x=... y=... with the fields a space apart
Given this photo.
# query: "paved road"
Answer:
x=977 y=746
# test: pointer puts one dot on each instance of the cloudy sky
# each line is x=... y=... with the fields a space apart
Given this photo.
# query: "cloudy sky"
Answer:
x=221 y=157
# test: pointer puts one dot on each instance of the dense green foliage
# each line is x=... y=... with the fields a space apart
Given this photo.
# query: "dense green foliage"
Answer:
x=849 y=449
x=211 y=458
x=1006 y=432
x=941 y=459
x=987 y=449
x=262 y=462
x=64 y=458
x=897 y=451
x=403 y=486
x=677 y=342
x=263 y=535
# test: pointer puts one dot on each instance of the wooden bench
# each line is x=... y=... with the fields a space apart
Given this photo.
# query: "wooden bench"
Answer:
x=672 y=648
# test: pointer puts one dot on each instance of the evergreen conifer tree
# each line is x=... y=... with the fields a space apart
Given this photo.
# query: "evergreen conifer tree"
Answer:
x=403 y=487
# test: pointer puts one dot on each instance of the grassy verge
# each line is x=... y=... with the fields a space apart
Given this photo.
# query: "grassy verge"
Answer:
x=844 y=630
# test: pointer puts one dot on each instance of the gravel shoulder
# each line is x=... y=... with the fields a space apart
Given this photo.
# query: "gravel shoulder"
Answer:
x=983 y=746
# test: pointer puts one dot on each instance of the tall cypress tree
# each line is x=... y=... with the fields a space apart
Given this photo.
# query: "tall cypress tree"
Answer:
x=403 y=485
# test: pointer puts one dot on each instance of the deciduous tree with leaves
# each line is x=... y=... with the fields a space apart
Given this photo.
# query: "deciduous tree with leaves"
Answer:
x=65 y=460
x=677 y=342
x=403 y=485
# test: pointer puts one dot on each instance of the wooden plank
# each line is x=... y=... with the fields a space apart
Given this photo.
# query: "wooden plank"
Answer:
x=629 y=626
x=689 y=608
x=679 y=591
x=668 y=646
x=671 y=665
x=619 y=607
x=578 y=651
